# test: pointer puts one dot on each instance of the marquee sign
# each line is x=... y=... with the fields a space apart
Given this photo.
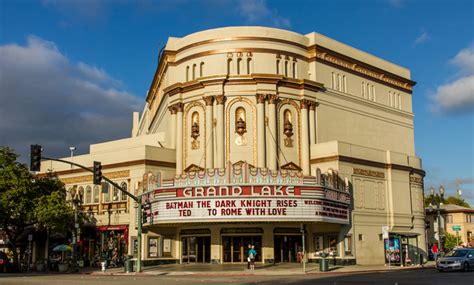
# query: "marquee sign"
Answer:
x=233 y=203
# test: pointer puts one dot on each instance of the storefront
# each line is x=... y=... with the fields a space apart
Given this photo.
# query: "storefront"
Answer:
x=402 y=249
x=244 y=207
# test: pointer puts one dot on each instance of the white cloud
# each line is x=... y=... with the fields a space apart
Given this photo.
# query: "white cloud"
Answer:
x=48 y=99
x=257 y=12
x=423 y=37
x=458 y=95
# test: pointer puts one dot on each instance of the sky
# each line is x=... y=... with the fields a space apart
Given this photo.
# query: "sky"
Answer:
x=72 y=72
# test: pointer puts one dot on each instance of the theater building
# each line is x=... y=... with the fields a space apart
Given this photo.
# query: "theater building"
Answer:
x=262 y=136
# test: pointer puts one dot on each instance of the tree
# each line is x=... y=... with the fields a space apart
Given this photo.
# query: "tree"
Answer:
x=456 y=201
x=452 y=200
x=28 y=202
x=450 y=241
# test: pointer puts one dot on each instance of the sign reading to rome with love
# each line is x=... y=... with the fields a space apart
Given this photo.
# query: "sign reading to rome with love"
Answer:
x=247 y=203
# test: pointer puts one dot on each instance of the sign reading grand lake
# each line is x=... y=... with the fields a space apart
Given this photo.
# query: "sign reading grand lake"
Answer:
x=230 y=203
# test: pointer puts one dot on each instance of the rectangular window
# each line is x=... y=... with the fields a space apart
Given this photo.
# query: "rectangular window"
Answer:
x=167 y=247
x=333 y=245
x=361 y=237
x=318 y=243
x=449 y=219
x=348 y=245
x=153 y=245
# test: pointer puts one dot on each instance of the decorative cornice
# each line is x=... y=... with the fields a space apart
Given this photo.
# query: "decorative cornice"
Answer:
x=305 y=104
x=313 y=105
x=179 y=107
x=272 y=98
x=261 y=98
x=88 y=178
x=209 y=100
x=370 y=163
x=362 y=69
x=172 y=109
x=143 y=162
x=416 y=180
x=220 y=99
x=366 y=172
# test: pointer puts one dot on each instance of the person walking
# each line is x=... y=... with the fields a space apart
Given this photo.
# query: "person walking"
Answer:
x=248 y=255
x=435 y=251
x=252 y=254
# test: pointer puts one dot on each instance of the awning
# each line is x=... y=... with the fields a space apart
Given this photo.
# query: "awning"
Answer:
x=405 y=234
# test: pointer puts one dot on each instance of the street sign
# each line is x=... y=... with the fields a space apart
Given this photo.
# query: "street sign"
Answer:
x=456 y=228
x=385 y=232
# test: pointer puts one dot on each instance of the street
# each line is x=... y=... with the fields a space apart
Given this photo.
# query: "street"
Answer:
x=418 y=277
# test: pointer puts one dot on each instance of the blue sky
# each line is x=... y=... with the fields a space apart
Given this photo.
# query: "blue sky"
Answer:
x=81 y=53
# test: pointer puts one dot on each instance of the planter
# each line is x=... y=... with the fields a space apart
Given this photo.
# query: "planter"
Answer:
x=63 y=267
x=40 y=266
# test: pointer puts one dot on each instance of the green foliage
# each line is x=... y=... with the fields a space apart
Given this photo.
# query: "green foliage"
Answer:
x=450 y=241
x=456 y=201
x=452 y=200
x=27 y=201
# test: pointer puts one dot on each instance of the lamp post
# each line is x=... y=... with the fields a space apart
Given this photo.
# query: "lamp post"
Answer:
x=437 y=199
x=76 y=201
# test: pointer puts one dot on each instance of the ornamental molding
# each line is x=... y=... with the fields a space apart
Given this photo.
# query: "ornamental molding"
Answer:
x=88 y=178
x=370 y=173
x=416 y=180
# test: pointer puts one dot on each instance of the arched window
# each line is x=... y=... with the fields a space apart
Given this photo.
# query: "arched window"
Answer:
x=249 y=65
x=124 y=187
x=194 y=71
x=187 y=73
x=229 y=66
x=80 y=194
x=88 y=195
x=288 y=128
x=239 y=65
x=201 y=69
x=107 y=195
x=69 y=193
x=195 y=125
x=115 y=195
x=96 y=194
x=240 y=121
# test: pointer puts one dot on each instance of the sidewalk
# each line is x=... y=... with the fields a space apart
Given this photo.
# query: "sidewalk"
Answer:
x=241 y=269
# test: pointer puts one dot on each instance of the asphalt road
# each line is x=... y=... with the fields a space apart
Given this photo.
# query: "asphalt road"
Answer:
x=418 y=277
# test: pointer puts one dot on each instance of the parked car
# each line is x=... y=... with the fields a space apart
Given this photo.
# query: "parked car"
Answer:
x=457 y=259
x=5 y=265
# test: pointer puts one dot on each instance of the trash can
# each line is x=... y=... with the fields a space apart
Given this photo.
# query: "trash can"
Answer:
x=128 y=265
x=323 y=265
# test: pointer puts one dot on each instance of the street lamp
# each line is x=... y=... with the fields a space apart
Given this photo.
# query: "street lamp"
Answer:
x=437 y=199
x=72 y=149
x=76 y=201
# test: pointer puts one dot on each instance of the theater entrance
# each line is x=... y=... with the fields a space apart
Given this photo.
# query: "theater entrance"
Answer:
x=196 y=249
x=235 y=248
x=288 y=248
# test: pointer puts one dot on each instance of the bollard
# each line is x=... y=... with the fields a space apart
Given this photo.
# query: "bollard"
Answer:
x=104 y=266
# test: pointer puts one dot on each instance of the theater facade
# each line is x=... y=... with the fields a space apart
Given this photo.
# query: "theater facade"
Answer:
x=252 y=135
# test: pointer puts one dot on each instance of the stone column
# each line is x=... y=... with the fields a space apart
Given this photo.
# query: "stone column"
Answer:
x=179 y=138
x=261 y=130
x=272 y=152
x=312 y=125
x=173 y=111
x=220 y=149
x=305 y=154
x=209 y=132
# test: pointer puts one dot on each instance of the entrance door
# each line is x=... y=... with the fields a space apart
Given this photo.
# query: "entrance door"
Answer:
x=287 y=248
x=196 y=249
x=235 y=248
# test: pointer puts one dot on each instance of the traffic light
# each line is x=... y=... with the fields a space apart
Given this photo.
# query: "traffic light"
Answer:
x=35 y=157
x=144 y=217
x=97 y=172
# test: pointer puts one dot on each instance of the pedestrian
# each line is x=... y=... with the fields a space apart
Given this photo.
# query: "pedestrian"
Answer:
x=435 y=251
x=252 y=255
x=248 y=255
